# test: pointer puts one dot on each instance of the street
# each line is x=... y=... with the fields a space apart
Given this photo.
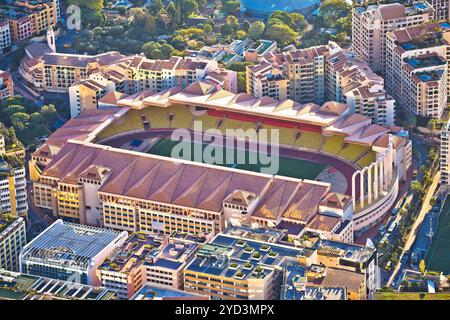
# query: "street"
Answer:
x=404 y=257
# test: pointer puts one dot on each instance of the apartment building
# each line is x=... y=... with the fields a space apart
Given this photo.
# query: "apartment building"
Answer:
x=265 y=80
x=445 y=157
x=351 y=81
x=426 y=85
x=5 y=35
x=324 y=73
x=158 y=75
x=21 y=286
x=237 y=51
x=12 y=240
x=29 y=18
x=86 y=94
x=70 y=252
x=416 y=68
x=371 y=24
x=13 y=186
x=441 y=9
x=253 y=265
x=147 y=260
x=6 y=86
x=60 y=71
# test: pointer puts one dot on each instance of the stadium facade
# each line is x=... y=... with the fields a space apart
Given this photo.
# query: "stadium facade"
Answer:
x=79 y=174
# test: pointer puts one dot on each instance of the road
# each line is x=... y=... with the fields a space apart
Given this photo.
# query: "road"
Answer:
x=426 y=206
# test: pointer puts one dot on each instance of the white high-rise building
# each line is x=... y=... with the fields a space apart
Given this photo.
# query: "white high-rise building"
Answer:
x=371 y=23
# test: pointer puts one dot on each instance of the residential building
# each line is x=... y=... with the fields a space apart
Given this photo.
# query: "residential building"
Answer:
x=425 y=84
x=5 y=35
x=13 y=186
x=150 y=292
x=441 y=9
x=445 y=157
x=70 y=252
x=85 y=94
x=236 y=267
x=21 y=286
x=2 y=145
x=147 y=260
x=417 y=68
x=324 y=73
x=6 y=86
x=372 y=22
x=237 y=51
x=60 y=71
x=265 y=80
x=12 y=240
x=30 y=18
x=351 y=81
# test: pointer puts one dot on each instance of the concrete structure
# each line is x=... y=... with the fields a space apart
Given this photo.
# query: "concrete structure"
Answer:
x=13 y=186
x=12 y=240
x=5 y=36
x=70 y=252
x=21 y=286
x=257 y=264
x=237 y=51
x=441 y=9
x=445 y=157
x=371 y=24
x=85 y=180
x=323 y=73
x=29 y=18
x=6 y=86
x=147 y=260
x=417 y=68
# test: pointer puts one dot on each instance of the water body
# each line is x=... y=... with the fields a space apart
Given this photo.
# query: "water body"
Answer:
x=268 y=6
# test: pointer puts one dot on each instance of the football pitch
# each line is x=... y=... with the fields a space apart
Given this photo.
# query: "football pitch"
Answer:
x=288 y=167
x=438 y=257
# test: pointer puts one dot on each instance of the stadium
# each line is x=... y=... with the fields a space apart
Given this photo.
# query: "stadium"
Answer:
x=333 y=164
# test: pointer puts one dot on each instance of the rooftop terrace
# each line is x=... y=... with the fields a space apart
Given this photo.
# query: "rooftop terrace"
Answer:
x=425 y=61
x=20 y=286
x=150 y=250
x=427 y=76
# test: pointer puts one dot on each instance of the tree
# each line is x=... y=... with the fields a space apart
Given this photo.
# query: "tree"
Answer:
x=49 y=113
x=246 y=25
x=416 y=186
x=20 y=120
x=233 y=21
x=148 y=48
x=157 y=54
x=422 y=266
x=189 y=7
x=231 y=6
x=156 y=6
x=256 y=30
x=207 y=28
x=226 y=29
x=240 y=34
x=241 y=82
x=167 y=50
x=150 y=25
x=281 y=33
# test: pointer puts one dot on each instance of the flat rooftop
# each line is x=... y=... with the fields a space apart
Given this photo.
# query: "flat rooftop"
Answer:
x=70 y=243
x=232 y=257
x=148 y=292
x=21 y=286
